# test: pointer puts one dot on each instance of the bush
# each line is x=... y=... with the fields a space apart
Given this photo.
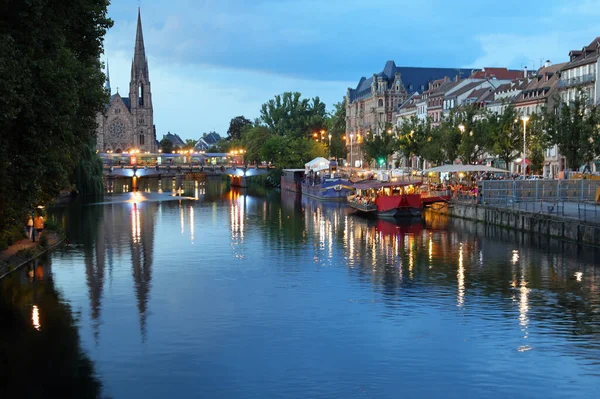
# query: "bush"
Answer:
x=52 y=225
x=11 y=235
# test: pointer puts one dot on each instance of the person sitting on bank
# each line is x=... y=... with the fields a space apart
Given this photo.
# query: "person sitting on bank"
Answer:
x=38 y=224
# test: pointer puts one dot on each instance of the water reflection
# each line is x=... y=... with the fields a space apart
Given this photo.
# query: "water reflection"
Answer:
x=282 y=276
x=41 y=349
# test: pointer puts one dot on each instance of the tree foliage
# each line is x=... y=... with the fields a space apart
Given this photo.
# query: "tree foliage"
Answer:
x=378 y=147
x=166 y=146
x=290 y=115
x=237 y=126
x=50 y=94
x=336 y=127
x=574 y=127
x=505 y=137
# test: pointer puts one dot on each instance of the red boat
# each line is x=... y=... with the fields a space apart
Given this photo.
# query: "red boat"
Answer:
x=392 y=199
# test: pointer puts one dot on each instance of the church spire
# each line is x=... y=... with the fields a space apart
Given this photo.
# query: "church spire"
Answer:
x=107 y=83
x=140 y=64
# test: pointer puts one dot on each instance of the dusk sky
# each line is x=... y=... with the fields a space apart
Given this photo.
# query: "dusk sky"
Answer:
x=210 y=61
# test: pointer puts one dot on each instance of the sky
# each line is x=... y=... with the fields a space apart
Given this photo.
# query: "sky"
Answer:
x=212 y=60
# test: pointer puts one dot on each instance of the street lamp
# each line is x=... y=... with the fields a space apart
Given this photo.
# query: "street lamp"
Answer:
x=351 y=138
x=525 y=119
x=461 y=127
x=329 y=146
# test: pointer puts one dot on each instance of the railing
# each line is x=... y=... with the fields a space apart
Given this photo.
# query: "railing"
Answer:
x=570 y=198
x=579 y=80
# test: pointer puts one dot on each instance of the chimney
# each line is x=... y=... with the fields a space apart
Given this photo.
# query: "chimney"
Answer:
x=547 y=64
x=525 y=71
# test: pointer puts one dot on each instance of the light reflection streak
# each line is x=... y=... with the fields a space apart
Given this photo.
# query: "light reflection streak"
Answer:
x=35 y=318
x=135 y=224
x=430 y=252
x=192 y=222
x=181 y=218
x=524 y=305
x=460 y=300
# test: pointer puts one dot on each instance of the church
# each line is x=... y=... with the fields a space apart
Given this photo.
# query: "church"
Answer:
x=127 y=123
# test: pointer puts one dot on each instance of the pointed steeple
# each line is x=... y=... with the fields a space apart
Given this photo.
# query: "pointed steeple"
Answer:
x=139 y=66
x=107 y=83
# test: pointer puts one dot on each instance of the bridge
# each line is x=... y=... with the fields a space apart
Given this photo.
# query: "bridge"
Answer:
x=118 y=179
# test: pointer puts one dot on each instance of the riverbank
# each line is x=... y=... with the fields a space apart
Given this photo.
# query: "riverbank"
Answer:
x=567 y=228
x=25 y=250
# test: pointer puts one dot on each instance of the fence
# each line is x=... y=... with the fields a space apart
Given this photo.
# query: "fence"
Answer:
x=574 y=198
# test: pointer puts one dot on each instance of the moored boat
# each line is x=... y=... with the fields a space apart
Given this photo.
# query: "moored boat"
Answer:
x=387 y=199
x=322 y=181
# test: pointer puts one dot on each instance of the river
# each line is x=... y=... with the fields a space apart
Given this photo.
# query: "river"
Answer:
x=251 y=294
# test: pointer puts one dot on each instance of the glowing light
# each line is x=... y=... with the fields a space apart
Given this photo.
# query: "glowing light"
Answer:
x=515 y=256
x=35 y=318
x=579 y=276
x=460 y=300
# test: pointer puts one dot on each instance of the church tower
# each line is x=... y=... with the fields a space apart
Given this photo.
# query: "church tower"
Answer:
x=140 y=96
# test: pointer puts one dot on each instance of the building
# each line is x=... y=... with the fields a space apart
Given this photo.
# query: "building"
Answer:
x=371 y=105
x=507 y=92
x=127 y=123
x=174 y=139
x=207 y=141
x=581 y=73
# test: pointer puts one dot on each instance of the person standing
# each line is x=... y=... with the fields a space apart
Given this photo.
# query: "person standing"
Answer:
x=38 y=224
x=29 y=227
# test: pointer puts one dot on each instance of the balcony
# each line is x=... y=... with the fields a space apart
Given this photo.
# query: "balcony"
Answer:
x=578 y=81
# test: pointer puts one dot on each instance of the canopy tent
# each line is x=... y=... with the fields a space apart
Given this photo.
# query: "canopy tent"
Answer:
x=465 y=168
x=317 y=164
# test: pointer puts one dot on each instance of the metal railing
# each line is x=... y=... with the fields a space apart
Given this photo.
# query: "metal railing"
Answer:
x=571 y=198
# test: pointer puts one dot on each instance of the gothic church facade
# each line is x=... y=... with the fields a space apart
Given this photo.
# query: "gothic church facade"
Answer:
x=127 y=123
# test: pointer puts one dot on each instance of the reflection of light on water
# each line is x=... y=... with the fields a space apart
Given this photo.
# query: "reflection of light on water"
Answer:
x=181 y=218
x=192 y=223
x=579 y=276
x=35 y=318
x=461 y=278
x=430 y=252
x=237 y=214
x=135 y=224
x=523 y=305
x=196 y=189
x=411 y=256
x=136 y=197
x=515 y=256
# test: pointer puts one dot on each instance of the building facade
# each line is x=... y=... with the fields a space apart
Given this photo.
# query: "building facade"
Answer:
x=372 y=104
x=127 y=123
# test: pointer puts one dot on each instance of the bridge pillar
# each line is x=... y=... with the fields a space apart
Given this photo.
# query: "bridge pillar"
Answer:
x=239 y=181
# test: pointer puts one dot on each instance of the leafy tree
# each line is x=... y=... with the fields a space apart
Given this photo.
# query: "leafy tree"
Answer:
x=411 y=137
x=574 y=129
x=433 y=149
x=474 y=136
x=336 y=126
x=189 y=144
x=450 y=135
x=89 y=179
x=378 y=147
x=253 y=140
x=166 y=146
x=50 y=95
x=237 y=126
x=505 y=136
x=289 y=115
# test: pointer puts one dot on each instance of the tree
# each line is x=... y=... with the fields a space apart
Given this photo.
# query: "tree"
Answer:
x=253 y=140
x=166 y=146
x=474 y=136
x=574 y=127
x=189 y=144
x=336 y=127
x=411 y=137
x=51 y=93
x=237 y=126
x=378 y=147
x=289 y=115
x=505 y=137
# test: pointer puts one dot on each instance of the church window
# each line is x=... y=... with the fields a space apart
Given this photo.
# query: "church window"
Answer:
x=141 y=139
x=380 y=103
x=141 y=95
x=117 y=111
x=117 y=130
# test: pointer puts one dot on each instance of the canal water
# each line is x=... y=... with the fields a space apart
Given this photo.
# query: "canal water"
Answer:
x=251 y=294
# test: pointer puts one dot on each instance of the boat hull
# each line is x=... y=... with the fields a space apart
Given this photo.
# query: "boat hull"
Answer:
x=330 y=191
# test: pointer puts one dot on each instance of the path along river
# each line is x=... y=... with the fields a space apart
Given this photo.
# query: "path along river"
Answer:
x=245 y=294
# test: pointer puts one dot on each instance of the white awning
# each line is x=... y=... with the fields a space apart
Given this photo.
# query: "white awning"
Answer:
x=465 y=168
x=317 y=164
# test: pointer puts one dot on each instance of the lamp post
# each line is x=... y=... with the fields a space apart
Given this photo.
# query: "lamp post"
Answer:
x=329 y=146
x=524 y=169
x=351 y=138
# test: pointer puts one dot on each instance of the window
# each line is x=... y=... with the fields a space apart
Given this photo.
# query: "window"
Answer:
x=141 y=95
x=142 y=139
